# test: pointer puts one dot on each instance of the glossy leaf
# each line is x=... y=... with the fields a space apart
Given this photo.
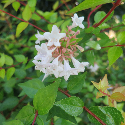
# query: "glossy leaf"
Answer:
x=26 y=115
x=31 y=87
x=113 y=54
x=2 y=73
x=26 y=14
x=8 y=60
x=20 y=27
x=19 y=58
x=94 y=45
x=76 y=84
x=45 y=97
x=13 y=122
x=109 y=115
x=2 y=59
x=72 y=105
x=10 y=72
x=88 y=4
x=16 y=5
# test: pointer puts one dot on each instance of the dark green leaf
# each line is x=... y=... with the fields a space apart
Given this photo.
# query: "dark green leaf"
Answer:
x=2 y=119
x=72 y=105
x=45 y=97
x=20 y=73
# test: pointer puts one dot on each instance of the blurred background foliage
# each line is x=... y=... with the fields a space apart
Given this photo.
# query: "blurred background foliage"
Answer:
x=53 y=12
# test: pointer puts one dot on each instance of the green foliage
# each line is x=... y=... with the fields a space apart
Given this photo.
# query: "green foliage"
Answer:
x=109 y=115
x=2 y=73
x=94 y=45
x=19 y=58
x=88 y=4
x=13 y=122
x=32 y=3
x=72 y=105
x=2 y=59
x=10 y=72
x=16 y=5
x=8 y=60
x=121 y=37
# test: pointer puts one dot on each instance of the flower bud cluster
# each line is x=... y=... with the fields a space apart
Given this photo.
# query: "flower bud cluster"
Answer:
x=53 y=56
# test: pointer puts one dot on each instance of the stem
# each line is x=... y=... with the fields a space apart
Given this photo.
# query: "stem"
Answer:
x=8 y=116
x=104 y=93
x=97 y=118
x=66 y=4
x=114 y=6
x=35 y=117
x=22 y=20
x=52 y=123
x=88 y=21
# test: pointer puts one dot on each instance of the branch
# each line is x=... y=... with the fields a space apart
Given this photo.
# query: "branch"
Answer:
x=22 y=20
x=114 y=6
x=35 y=117
x=66 y=5
x=91 y=14
x=97 y=118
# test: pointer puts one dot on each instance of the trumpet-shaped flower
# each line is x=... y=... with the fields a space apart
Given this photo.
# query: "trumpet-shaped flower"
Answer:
x=54 y=36
x=77 y=21
x=40 y=37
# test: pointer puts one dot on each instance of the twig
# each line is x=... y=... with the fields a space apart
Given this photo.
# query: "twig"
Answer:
x=35 y=117
x=66 y=5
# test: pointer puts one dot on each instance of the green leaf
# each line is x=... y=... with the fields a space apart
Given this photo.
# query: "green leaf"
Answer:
x=121 y=37
x=88 y=4
x=35 y=17
x=13 y=122
x=113 y=54
x=20 y=73
x=20 y=27
x=31 y=87
x=32 y=3
x=2 y=73
x=30 y=64
x=72 y=105
x=2 y=119
x=56 y=4
x=19 y=58
x=2 y=59
x=39 y=121
x=8 y=3
x=8 y=60
x=57 y=111
x=75 y=85
x=26 y=14
x=16 y=5
x=89 y=30
x=26 y=115
x=104 y=26
x=10 y=72
x=9 y=103
x=94 y=45
x=53 y=18
x=109 y=115
x=90 y=57
x=45 y=97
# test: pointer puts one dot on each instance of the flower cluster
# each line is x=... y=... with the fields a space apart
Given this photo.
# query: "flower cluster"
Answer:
x=53 y=56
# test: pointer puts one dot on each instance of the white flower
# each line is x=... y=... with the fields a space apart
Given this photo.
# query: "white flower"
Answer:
x=93 y=68
x=40 y=37
x=54 y=36
x=77 y=21
x=80 y=66
x=67 y=71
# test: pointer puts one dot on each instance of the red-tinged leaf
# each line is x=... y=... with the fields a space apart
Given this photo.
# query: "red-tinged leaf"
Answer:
x=111 y=102
x=120 y=89
x=117 y=96
x=102 y=85
x=99 y=95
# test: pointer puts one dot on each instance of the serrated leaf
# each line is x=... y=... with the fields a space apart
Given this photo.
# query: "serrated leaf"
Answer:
x=75 y=85
x=45 y=97
x=94 y=45
x=20 y=27
x=8 y=60
x=113 y=54
x=31 y=87
x=2 y=59
x=8 y=3
x=26 y=14
x=26 y=115
x=121 y=37
x=2 y=73
x=19 y=58
x=10 y=72
x=13 y=122
x=20 y=73
x=88 y=4
x=109 y=115
x=32 y=3
x=16 y=5
x=72 y=105
x=61 y=113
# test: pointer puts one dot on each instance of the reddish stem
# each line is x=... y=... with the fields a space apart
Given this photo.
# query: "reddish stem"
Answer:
x=91 y=14
x=8 y=116
x=66 y=4
x=52 y=122
x=114 y=6
x=97 y=118
x=35 y=117
x=104 y=93
x=22 y=20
